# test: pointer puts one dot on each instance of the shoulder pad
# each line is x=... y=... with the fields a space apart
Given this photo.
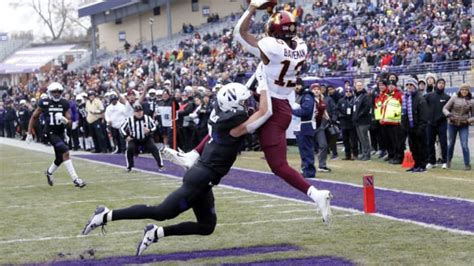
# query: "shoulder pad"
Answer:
x=267 y=45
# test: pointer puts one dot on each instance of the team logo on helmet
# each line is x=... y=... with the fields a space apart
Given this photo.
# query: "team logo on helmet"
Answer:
x=232 y=96
x=282 y=25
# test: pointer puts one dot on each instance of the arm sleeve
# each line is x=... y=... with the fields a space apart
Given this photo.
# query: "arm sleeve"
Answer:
x=107 y=115
x=447 y=107
x=251 y=49
x=151 y=124
x=124 y=128
x=252 y=127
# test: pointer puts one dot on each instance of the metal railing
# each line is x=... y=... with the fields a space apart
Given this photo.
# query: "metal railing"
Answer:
x=7 y=48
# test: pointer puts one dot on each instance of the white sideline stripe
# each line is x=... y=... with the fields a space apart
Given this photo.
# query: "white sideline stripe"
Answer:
x=257 y=200
x=225 y=192
x=141 y=231
x=351 y=210
x=303 y=210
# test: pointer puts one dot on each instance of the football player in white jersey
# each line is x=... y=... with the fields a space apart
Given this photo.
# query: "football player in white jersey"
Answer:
x=283 y=55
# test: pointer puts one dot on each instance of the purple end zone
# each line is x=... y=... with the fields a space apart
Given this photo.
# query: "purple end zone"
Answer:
x=450 y=213
x=319 y=260
x=181 y=256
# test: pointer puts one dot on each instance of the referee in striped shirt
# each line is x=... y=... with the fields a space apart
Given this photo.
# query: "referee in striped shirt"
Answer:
x=137 y=132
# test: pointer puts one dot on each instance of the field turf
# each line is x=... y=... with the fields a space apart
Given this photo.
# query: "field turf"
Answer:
x=42 y=224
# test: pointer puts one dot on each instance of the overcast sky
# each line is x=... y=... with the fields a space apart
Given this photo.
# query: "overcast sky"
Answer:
x=21 y=19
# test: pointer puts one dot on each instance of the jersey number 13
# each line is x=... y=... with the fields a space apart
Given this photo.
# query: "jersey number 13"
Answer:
x=281 y=78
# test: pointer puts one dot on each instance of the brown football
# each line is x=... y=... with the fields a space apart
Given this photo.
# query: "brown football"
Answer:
x=268 y=5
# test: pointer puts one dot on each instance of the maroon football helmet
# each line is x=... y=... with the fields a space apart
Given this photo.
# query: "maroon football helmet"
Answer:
x=282 y=25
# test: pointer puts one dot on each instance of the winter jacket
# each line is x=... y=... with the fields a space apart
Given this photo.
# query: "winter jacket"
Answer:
x=459 y=110
x=420 y=115
x=306 y=113
x=361 y=114
x=345 y=107
x=436 y=101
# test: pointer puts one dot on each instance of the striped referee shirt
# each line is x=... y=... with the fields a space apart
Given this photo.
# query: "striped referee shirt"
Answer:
x=135 y=128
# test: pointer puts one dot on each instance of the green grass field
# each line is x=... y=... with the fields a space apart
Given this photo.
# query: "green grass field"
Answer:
x=39 y=222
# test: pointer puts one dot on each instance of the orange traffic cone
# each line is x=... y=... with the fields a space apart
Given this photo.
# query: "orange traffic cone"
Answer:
x=408 y=160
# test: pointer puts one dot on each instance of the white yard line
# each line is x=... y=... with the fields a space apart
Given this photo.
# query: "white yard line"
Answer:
x=431 y=226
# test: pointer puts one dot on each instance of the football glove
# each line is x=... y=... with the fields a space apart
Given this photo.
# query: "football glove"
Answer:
x=60 y=118
x=29 y=138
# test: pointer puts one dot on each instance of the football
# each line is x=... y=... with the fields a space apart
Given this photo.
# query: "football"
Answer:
x=264 y=4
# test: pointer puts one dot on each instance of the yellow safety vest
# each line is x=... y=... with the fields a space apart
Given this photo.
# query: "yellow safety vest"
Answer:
x=393 y=111
x=378 y=111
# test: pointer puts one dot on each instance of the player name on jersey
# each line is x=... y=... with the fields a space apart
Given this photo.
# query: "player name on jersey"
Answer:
x=295 y=54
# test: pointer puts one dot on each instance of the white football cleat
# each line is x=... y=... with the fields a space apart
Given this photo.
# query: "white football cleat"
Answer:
x=97 y=219
x=149 y=237
x=185 y=160
x=322 y=198
x=79 y=183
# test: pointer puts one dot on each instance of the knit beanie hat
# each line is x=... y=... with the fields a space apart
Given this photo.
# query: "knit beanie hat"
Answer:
x=411 y=81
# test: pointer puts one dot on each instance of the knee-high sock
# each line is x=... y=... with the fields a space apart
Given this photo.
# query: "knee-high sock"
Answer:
x=70 y=169
x=52 y=168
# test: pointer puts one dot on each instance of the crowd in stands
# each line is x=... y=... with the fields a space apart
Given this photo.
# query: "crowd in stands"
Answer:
x=394 y=33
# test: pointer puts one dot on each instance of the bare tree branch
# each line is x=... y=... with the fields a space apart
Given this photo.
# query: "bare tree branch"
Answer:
x=57 y=15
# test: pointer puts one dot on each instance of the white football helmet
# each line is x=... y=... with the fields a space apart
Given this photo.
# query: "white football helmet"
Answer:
x=54 y=87
x=232 y=96
x=152 y=93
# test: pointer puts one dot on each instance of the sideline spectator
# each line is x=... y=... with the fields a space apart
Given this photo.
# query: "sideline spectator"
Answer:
x=304 y=109
x=73 y=131
x=115 y=117
x=414 y=120
x=95 y=110
x=2 y=119
x=322 y=121
x=24 y=115
x=361 y=119
x=345 y=108
x=460 y=113
x=437 y=124
x=10 y=119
